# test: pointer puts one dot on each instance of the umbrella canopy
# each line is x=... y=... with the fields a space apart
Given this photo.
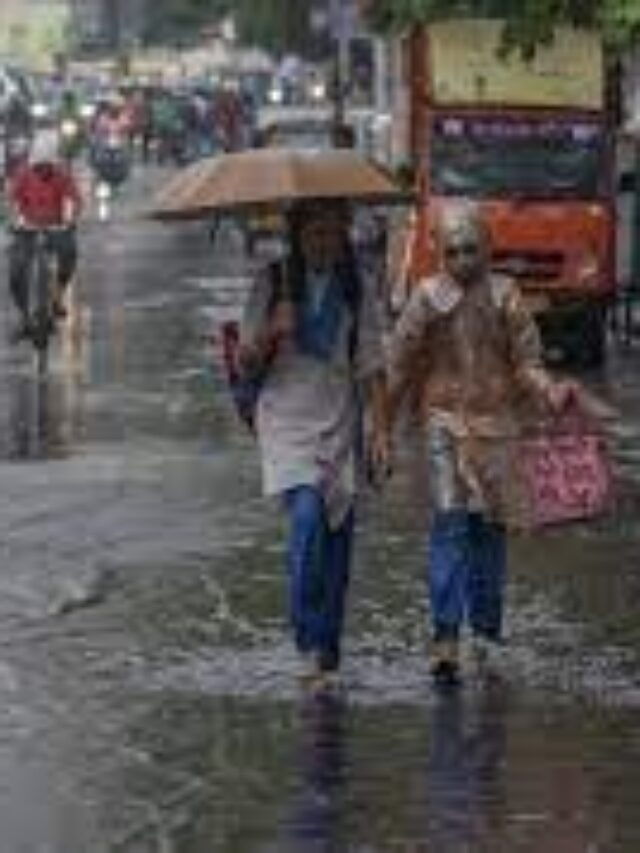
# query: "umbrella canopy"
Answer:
x=273 y=177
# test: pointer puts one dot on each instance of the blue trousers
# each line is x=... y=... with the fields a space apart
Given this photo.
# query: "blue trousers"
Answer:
x=318 y=567
x=467 y=568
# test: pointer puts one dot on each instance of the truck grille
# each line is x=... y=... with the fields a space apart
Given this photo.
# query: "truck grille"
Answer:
x=529 y=265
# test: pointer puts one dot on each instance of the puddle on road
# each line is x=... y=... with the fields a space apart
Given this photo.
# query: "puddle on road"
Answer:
x=158 y=711
x=188 y=732
x=487 y=771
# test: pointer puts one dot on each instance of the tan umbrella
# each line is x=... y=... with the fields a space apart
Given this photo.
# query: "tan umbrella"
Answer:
x=273 y=177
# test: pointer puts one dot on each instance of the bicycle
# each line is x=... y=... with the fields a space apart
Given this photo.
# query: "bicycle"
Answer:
x=43 y=276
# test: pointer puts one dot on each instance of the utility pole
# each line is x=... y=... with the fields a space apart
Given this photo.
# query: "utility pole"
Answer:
x=339 y=22
x=112 y=10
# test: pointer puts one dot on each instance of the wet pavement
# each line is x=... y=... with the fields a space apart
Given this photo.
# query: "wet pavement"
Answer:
x=148 y=699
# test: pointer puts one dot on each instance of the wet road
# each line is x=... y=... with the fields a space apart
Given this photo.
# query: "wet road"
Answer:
x=147 y=691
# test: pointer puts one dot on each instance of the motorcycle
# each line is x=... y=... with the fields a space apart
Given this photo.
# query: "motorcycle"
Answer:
x=111 y=160
x=71 y=139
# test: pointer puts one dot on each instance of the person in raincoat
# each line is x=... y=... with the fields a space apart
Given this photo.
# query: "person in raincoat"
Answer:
x=312 y=330
x=469 y=348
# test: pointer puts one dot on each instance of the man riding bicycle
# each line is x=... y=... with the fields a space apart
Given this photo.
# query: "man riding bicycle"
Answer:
x=42 y=195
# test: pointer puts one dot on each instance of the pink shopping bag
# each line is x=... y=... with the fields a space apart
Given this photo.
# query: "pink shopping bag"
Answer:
x=565 y=473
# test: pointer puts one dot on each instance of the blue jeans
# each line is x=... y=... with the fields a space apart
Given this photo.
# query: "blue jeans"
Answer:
x=318 y=564
x=467 y=568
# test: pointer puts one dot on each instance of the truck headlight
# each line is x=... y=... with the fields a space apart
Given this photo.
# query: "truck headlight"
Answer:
x=318 y=91
x=69 y=128
x=103 y=191
x=39 y=110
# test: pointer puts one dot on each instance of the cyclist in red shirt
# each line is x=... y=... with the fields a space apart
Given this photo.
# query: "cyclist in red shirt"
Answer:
x=42 y=194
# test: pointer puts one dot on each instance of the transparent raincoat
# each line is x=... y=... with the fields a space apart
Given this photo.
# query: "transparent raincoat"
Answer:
x=473 y=360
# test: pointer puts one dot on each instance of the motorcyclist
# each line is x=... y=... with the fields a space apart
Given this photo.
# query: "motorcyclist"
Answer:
x=111 y=150
x=18 y=118
x=168 y=121
x=18 y=134
x=70 y=126
x=111 y=122
x=69 y=107
x=42 y=194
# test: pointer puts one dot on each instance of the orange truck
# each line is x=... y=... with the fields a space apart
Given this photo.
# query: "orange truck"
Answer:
x=532 y=142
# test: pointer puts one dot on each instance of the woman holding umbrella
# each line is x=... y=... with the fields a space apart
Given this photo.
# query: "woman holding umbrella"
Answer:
x=311 y=341
x=312 y=332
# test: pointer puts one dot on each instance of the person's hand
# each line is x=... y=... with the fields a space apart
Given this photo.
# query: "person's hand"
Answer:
x=18 y=221
x=70 y=214
x=282 y=321
x=379 y=458
x=560 y=395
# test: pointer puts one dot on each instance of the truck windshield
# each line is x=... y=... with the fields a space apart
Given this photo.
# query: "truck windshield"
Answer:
x=523 y=158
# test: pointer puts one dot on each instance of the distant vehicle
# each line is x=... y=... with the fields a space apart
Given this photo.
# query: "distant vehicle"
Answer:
x=71 y=139
x=16 y=98
x=314 y=127
x=295 y=127
x=111 y=160
x=16 y=124
x=15 y=152
x=303 y=135
x=14 y=84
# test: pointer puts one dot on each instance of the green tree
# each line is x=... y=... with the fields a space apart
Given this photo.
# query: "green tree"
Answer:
x=280 y=26
x=277 y=25
x=171 y=20
x=528 y=22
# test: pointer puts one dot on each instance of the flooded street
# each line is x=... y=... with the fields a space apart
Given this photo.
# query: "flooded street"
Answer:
x=148 y=699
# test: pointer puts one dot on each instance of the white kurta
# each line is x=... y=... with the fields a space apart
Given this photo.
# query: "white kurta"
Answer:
x=308 y=413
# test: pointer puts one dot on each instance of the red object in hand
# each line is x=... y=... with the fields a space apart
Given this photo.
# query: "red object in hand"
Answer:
x=566 y=473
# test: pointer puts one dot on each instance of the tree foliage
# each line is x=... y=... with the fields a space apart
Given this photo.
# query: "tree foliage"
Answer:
x=281 y=26
x=528 y=22
x=284 y=25
x=277 y=25
x=171 y=20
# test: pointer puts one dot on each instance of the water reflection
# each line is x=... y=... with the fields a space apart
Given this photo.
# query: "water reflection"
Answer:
x=44 y=414
x=460 y=805
x=32 y=430
x=45 y=409
x=466 y=757
x=317 y=822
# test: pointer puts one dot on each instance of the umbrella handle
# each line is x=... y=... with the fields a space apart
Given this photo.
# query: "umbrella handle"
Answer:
x=282 y=289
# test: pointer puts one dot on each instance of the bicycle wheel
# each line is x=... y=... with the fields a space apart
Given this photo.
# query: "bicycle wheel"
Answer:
x=42 y=321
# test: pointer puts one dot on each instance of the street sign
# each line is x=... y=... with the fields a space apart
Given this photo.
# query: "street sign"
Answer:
x=343 y=16
x=319 y=20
